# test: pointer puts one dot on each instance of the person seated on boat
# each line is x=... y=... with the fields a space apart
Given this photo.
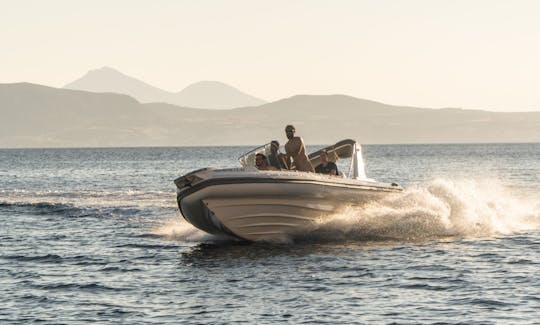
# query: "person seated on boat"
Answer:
x=295 y=151
x=326 y=166
x=261 y=163
x=276 y=158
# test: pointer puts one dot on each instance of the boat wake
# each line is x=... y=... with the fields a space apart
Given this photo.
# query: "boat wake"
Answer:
x=119 y=198
x=439 y=209
x=93 y=204
x=178 y=229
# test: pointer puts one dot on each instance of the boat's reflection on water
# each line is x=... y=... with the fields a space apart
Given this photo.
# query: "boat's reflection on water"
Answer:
x=220 y=253
x=230 y=252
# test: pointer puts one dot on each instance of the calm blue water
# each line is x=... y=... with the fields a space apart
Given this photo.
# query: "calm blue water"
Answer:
x=95 y=236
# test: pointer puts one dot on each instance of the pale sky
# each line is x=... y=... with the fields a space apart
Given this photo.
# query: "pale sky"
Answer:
x=481 y=54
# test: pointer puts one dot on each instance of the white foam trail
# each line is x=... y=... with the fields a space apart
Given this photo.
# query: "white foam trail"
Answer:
x=125 y=198
x=179 y=229
x=441 y=208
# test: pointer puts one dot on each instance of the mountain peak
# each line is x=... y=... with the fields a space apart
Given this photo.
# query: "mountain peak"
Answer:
x=202 y=94
x=304 y=100
x=209 y=83
x=105 y=70
x=108 y=76
x=215 y=94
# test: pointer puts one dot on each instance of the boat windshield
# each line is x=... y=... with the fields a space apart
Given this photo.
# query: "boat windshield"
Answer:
x=248 y=159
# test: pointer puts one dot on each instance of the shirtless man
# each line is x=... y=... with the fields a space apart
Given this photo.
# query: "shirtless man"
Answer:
x=261 y=163
x=295 y=150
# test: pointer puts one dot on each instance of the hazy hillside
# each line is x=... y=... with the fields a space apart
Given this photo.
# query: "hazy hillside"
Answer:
x=39 y=116
x=108 y=80
x=204 y=94
x=213 y=94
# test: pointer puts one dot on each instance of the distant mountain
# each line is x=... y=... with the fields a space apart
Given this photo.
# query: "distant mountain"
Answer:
x=39 y=116
x=214 y=94
x=109 y=80
x=204 y=94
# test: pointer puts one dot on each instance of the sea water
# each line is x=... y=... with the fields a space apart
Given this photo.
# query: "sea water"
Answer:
x=95 y=236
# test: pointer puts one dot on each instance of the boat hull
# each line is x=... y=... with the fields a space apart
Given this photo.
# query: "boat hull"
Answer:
x=270 y=208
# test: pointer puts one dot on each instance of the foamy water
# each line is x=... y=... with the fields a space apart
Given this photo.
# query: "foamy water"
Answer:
x=94 y=235
x=180 y=230
x=441 y=208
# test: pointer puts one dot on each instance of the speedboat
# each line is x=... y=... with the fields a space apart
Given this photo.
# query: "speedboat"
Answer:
x=257 y=205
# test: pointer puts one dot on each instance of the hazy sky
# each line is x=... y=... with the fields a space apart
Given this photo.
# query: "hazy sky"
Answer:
x=469 y=54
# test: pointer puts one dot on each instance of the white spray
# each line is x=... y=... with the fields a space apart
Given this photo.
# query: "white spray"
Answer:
x=441 y=208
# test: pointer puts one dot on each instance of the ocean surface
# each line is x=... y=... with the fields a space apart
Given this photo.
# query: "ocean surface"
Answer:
x=95 y=236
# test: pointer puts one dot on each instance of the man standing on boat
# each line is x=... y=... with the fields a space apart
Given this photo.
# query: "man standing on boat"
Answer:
x=296 y=150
